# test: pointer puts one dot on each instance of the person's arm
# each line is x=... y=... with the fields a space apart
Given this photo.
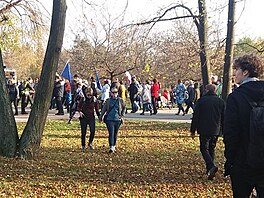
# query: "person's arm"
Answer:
x=231 y=132
x=96 y=107
x=104 y=110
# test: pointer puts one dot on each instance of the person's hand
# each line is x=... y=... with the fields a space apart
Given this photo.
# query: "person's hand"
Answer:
x=192 y=135
x=122 y=120
x=81 y=114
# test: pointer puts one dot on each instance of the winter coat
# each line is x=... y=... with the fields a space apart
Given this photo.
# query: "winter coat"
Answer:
x=146 y=95
x=155 y=90
x=236 y=127
x=191 y=94
x=208 y=115
x=58 y=89
x=179 y=92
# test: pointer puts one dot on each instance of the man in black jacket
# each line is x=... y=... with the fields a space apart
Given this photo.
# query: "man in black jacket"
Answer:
x=58 y=91
x=237 y=127
x=208 y=121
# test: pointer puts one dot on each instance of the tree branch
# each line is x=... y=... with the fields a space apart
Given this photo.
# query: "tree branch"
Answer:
x=159 y=18
x=261 y=50
x=9 y=6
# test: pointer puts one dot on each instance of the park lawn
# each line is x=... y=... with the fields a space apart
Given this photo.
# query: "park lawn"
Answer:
x=153 y=159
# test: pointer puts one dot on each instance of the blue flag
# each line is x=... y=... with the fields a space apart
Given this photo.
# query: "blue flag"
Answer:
x=66 y=72
x=99 y=86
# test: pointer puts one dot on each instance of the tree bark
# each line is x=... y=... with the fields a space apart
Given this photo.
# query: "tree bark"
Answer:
x=31 y=137
x=229 y=51
x=203 y=38
x=8 y=128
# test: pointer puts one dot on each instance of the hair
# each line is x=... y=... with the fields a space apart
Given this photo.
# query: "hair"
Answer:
x=114 y=89
x=251 y=63
x=179 y=81
x=211 y=87
x=88 y=90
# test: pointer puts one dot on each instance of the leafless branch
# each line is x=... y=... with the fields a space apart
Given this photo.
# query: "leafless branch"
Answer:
x=261 y=50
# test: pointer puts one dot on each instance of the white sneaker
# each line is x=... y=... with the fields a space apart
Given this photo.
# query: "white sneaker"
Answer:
x=112 y=149
x=91 y=146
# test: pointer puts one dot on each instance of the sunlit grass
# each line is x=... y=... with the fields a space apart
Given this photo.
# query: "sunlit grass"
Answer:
x=153 y=159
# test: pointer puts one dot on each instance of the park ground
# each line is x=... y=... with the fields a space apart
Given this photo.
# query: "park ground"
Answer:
x=153 y=159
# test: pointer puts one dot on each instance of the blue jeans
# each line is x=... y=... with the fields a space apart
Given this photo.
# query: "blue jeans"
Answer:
x=112 y=127
x=84 y=122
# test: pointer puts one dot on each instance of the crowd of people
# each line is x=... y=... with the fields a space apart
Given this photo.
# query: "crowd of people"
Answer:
x=212 y=117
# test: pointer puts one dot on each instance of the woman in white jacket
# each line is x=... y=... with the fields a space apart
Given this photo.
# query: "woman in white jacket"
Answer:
x=146 y=98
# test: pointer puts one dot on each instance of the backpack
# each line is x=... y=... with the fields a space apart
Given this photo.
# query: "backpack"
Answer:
x=255 y=154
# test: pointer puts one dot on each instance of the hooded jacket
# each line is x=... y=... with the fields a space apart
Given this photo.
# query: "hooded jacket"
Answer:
x=236 y=125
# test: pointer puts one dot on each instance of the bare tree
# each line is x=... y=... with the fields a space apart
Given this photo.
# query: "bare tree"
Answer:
x=229 y=51
x=201 y=23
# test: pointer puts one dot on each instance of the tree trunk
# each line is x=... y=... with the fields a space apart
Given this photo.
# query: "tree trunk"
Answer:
x=203 y=38
x=229 y=51
x=31 y=138
x=8 y=128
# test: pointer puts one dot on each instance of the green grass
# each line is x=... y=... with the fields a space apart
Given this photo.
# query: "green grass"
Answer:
x=153 y=159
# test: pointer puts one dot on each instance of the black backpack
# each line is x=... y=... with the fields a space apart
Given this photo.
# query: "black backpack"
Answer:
x=255 y=154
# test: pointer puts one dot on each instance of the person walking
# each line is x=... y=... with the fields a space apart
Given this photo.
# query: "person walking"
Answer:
x=87 y=106
x=146 y=98
x=179 y=92
x=208 y=121
x=26 y=89
x=113 y=112
x=122 y=92
x=58 y=91
x=13 y=93
x=155 y=88
x=238 y=129
x=191 y=94
x=133 y=93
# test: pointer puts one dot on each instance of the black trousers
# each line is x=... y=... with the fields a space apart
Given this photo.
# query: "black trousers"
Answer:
x=58 y=100
x=84 y=122
x=207 y=148
x=154 y=102
x=23 y=103
x=241 y=185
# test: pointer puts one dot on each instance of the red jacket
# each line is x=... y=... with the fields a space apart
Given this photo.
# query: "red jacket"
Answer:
x=155 y=90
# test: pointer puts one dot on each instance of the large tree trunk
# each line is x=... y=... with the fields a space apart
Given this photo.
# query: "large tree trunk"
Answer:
x=229 y=51
x=8 y=128
x=203 y=38
x=30 y=140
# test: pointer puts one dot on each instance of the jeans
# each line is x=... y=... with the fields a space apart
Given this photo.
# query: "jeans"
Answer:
x=112 y=127
x=241 y=187
x=84 y=122
x=15 y=105
x=207 y=148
